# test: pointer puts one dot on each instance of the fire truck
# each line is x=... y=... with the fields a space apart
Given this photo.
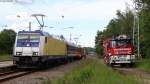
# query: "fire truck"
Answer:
x=119 y=50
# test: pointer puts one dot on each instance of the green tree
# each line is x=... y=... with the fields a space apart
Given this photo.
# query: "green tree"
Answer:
x=7 y=39
x=144 y=17
x=98 y=43
x=123 y=24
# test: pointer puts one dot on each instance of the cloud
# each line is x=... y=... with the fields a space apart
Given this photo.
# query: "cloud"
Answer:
x=23 y=26
x=19 y=16
x=87 y=16
x=78 y=10
x=24 y=1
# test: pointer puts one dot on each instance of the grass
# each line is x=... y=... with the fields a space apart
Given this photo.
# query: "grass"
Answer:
x=145 y=65
x=5 y=57
x=93 y=72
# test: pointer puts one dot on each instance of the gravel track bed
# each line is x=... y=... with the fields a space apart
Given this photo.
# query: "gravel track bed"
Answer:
x=6 y=64
x=40 y=76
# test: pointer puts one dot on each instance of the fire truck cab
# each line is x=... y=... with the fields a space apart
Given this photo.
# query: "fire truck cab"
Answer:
x=118 y=50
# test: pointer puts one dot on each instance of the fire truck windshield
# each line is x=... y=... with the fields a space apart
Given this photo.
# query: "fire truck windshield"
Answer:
x=121 y=42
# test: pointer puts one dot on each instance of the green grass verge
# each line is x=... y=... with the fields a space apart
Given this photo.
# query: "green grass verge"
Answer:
x=92 y=72
x=145 y=65
x=5 y=57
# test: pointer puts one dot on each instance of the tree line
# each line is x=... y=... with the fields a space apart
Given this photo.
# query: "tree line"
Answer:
x=7 y=39
x=123 y=24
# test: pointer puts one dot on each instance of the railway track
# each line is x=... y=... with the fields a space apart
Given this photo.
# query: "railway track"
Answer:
x=13 y=74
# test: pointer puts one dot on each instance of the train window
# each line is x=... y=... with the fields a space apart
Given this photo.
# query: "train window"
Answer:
x=45 y=39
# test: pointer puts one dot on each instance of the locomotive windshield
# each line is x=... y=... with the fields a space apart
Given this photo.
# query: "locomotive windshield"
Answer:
x=28 y=41
x=121 y=42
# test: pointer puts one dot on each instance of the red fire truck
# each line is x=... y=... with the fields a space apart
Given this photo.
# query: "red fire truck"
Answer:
x=118 y=50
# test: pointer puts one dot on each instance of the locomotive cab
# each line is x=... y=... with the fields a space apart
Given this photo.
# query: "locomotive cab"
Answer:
x=27 y=45
x=27 y=49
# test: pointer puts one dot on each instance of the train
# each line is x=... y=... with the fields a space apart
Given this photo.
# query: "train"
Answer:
x=38 y=48
x=119 y=50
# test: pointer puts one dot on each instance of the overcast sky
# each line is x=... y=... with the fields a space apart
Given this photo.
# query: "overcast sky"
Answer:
x=85 y=16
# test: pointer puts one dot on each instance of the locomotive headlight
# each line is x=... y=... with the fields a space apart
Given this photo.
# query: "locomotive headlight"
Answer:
x=35 y=53
x=18 y=53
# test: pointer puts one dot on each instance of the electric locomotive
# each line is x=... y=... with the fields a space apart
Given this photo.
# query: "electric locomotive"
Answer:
x=38 y=48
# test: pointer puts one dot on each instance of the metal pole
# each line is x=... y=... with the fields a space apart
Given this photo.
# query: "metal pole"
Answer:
x=138 y=27
x=29 y=26
x=76 y=40
x=134 y=29
x=138 y=30
x=70 y=37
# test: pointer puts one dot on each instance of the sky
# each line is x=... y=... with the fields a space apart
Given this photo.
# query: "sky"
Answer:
x=78 y=19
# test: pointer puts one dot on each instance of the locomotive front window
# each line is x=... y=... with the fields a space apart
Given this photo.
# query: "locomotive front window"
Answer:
x=28 y=41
